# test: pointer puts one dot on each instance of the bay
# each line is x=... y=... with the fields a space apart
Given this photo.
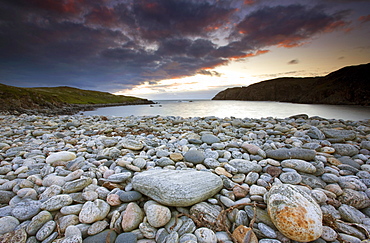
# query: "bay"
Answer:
x=237 y=109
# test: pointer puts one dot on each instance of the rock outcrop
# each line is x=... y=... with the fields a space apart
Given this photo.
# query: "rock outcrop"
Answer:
x=347 y=86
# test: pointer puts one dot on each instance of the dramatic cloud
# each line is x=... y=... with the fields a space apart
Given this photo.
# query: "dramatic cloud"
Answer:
x=115 y=44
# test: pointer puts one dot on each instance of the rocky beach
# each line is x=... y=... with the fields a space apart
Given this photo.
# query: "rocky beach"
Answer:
x=75 y=178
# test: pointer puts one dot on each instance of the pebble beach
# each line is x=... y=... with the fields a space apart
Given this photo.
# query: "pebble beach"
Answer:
x=76 y=178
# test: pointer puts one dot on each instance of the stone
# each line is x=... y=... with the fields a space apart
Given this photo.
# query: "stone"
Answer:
x=126 y=238
x=25 y=210
x=315 y=133
x=188 y=238
x=139 y=162
x=339 y=134
x=56 y=202
x=113 y=200
x=209 y=139
x=250 y=148
x=119 y=177
x=179 y=188
x=188 y=226
x=290 y=178
x=244 y=234
x=205 y=235
x=194 y=156
x=17 y=236
x=132 y=144
x=176 y=157
x=8 y=224
x=206 y=212
x=76 y=185
x=6 y=196
x=38 y=221
x=294 y=213
x=97 y=227
x=345 y=149
x=299 y=165
x=354 y=198
x=68 y=220
x=351 y=214
x=329 y=234
x=129 y=196
x=63 y=156
x=281 y=154
x=45 y=230
x=132 y=217
x=94 y=211
x=245 y=166
x=105 y=236
x=257 y=190
x=365 y=145
x=157 y=215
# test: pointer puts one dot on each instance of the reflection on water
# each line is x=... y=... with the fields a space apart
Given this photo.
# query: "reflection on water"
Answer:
x=238 y=109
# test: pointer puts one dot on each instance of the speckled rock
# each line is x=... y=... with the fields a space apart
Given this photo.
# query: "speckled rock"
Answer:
x=8 y=224
x=345 y=149
x=294 y=213
x=354 y=198
x=94 y=211
x=299 y=165
x=157 y=215
x=38 y=221
x=132 y=217
x=17 y=236
x=57 y=202
x=177 y=188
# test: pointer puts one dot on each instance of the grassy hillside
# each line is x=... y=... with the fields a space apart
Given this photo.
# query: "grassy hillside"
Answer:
x=21 y=99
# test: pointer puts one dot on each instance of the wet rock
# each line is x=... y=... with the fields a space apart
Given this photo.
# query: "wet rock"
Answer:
x=177 y=188
x=294 y=213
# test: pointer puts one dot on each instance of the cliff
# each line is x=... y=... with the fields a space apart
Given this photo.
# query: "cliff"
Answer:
x=58 y=100
x=346 y=86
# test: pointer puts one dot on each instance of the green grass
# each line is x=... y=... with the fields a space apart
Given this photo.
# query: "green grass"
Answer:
x=63 y=95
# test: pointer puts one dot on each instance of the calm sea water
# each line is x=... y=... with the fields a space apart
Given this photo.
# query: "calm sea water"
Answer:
x=238 y=109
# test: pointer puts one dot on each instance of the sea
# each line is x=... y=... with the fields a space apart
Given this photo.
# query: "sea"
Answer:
x=236 y=109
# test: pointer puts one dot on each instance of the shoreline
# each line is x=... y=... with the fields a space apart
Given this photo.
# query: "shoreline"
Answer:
x=85 y=174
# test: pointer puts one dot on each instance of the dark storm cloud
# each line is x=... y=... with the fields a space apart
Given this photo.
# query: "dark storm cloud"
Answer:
x=113 y=44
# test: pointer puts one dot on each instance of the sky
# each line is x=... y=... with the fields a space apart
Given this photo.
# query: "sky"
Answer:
x=177 y=49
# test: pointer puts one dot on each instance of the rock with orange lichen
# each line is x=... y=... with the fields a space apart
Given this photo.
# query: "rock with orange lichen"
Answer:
x=244 y=234
x=294 y=213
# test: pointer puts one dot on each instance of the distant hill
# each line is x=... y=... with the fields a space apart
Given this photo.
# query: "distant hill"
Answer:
x=58 y=100
x=346 y=86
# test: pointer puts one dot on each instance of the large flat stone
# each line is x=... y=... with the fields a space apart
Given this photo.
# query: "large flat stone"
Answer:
x=178 y=188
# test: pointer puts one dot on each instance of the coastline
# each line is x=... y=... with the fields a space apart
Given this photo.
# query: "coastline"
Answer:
x=62 y=168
